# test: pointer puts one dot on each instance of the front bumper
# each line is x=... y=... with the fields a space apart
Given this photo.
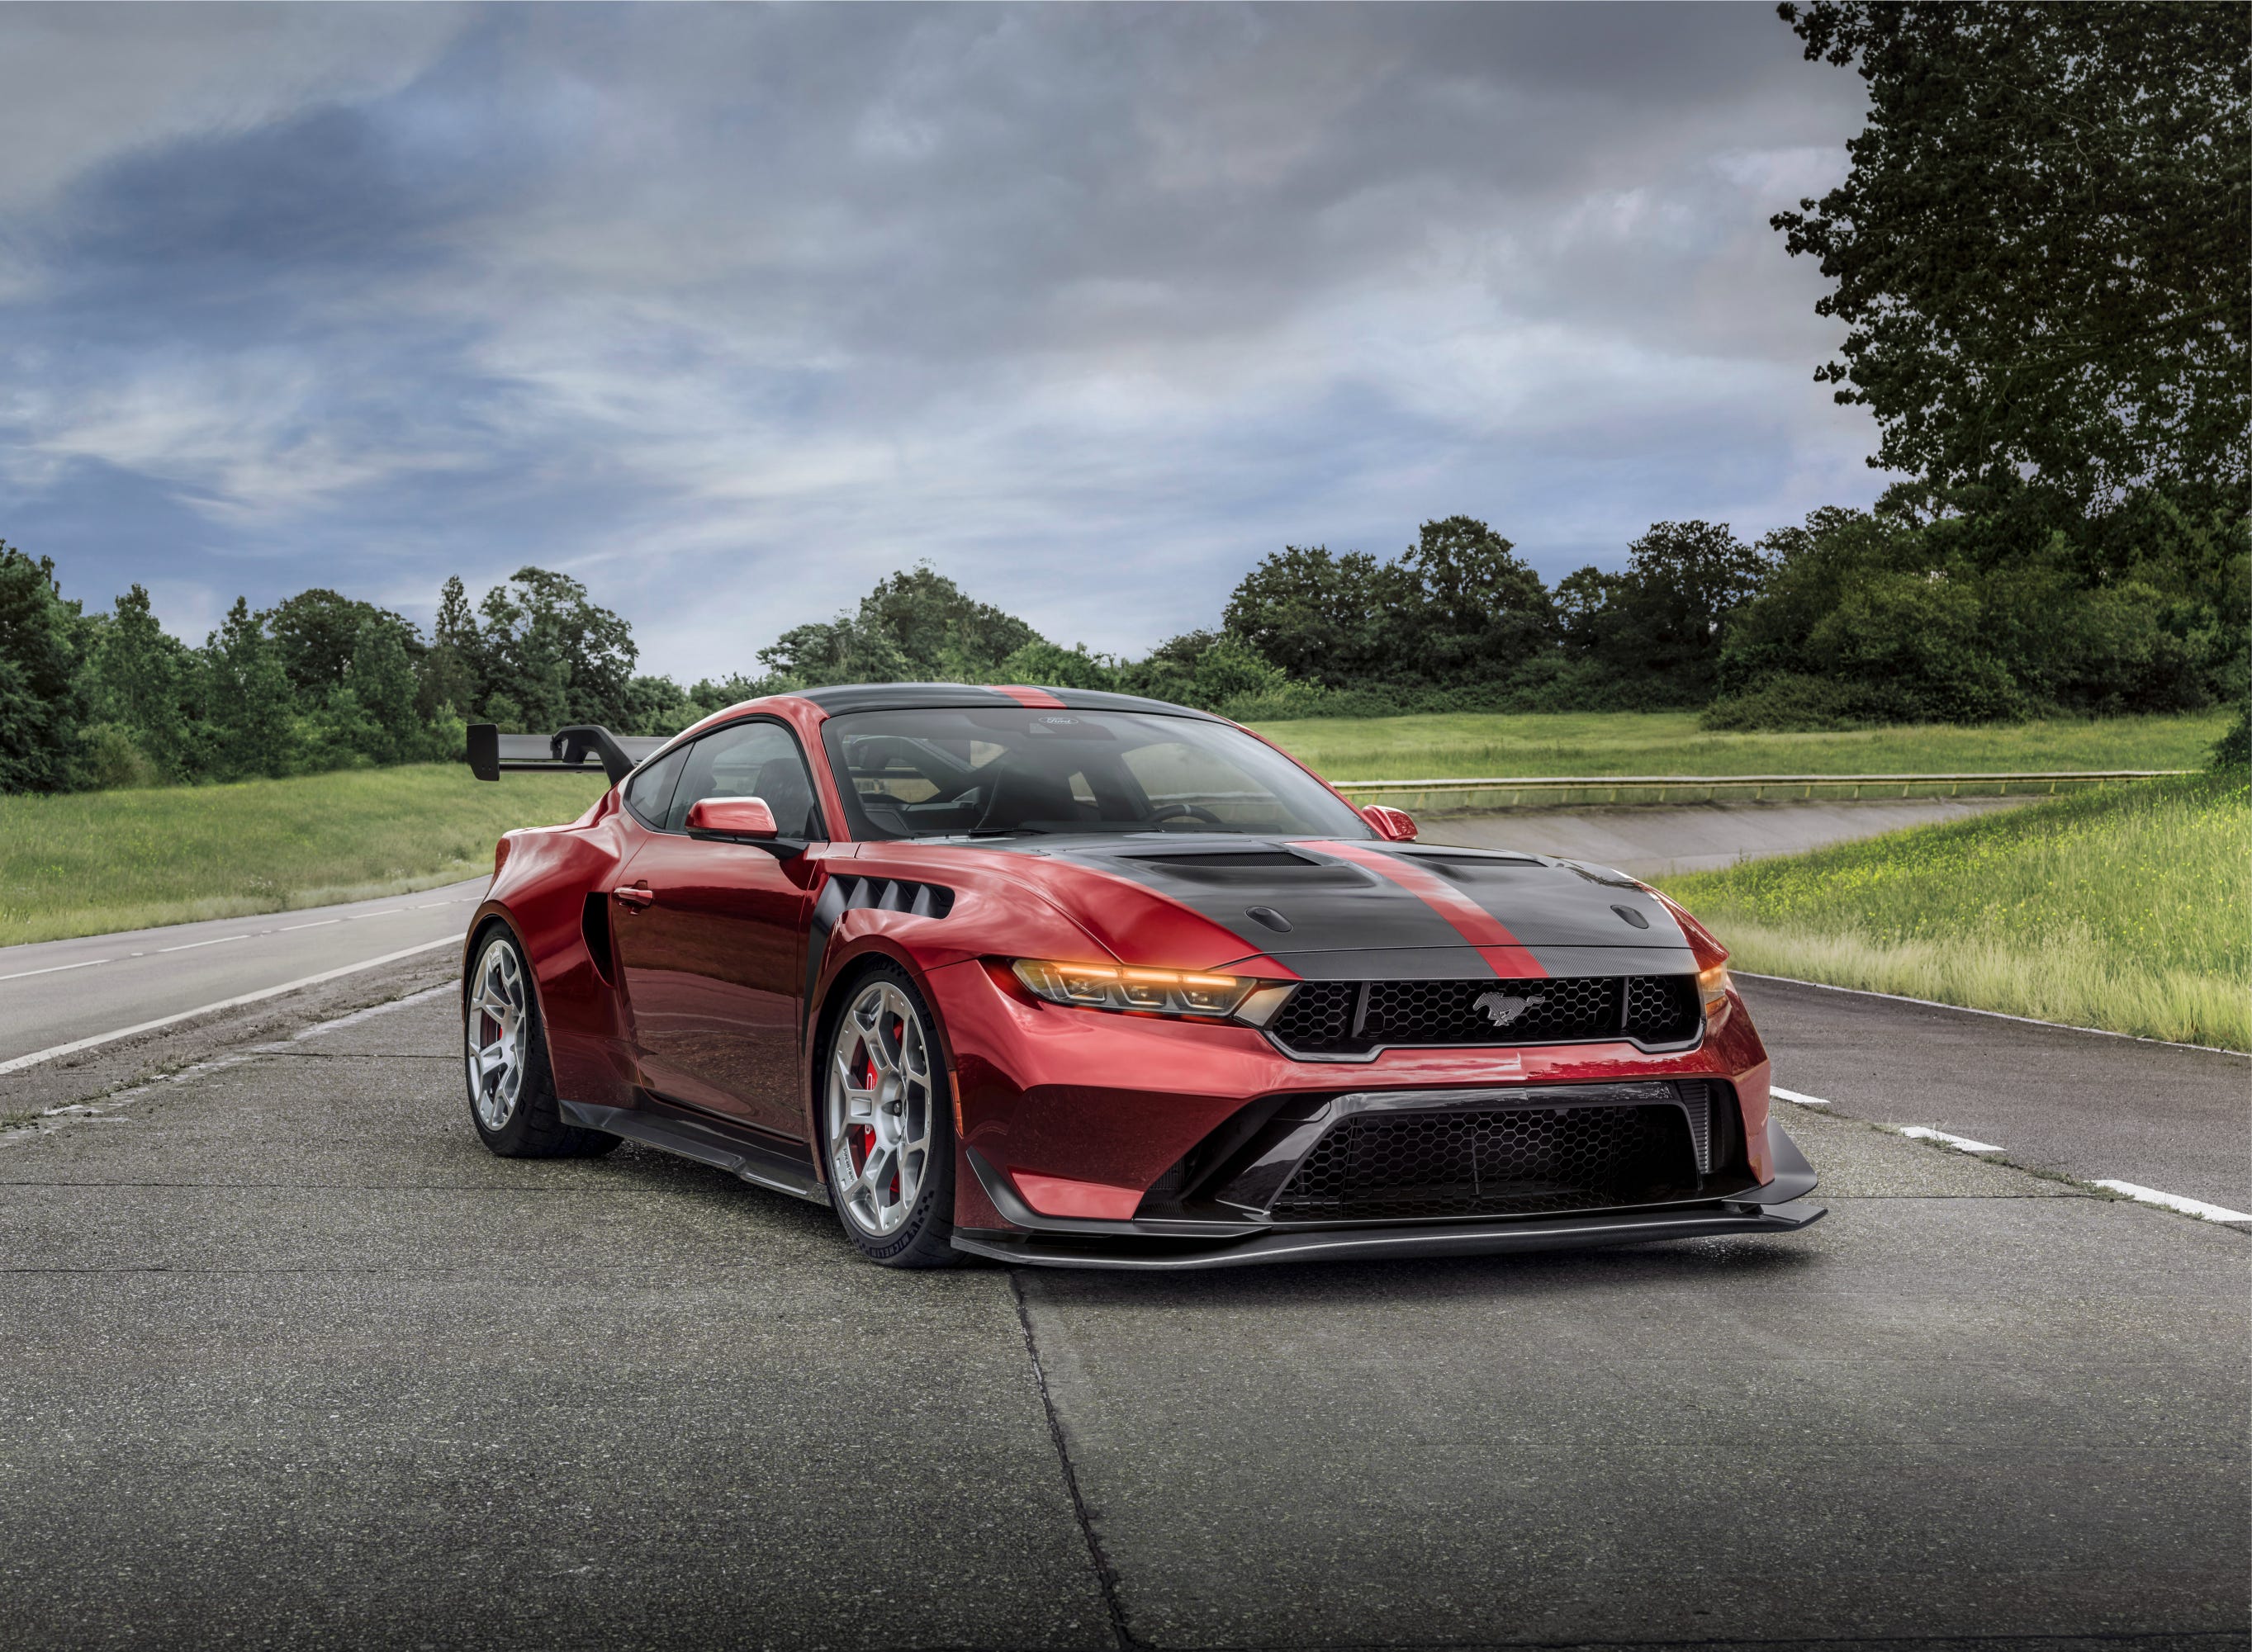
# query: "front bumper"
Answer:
x=1777 y=1206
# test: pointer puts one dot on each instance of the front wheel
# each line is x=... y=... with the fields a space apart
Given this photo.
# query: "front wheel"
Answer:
x=887 y=1130
x=512 y=1088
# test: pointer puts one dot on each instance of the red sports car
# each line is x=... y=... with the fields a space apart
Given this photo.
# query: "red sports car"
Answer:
x=1079 y=979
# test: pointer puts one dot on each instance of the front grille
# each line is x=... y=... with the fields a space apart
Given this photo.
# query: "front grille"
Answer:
x=1352 y=1017
x=1492 y=1161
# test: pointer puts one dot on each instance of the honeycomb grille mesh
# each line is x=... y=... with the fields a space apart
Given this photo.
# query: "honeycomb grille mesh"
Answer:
x=1501 y=1161
x=1342 y=1018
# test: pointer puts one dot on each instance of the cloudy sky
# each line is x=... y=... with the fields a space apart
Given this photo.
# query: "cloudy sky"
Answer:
x=728 y=311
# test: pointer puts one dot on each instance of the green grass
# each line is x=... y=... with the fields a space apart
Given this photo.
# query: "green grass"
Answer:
x=91 y=861
x=2128 y=908
x=1465 y=745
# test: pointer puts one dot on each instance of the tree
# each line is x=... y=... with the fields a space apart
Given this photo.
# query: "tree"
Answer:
x=381 y=681
x=2040 y=252
x=452 y=673
x=1473 y=612
x=916 y=624
x=554 y=655
x=249 y=707
x=317 y=632
x=143 y=681
x=1318 y=616
x=41 y=702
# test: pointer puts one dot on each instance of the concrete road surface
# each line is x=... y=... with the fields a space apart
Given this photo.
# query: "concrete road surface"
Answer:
x=286 y=1358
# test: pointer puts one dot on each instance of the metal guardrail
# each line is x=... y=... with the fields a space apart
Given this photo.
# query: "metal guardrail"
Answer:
x=1553 y=789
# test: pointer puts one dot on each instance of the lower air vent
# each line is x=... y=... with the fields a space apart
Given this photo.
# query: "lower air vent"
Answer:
x=1498 y=1162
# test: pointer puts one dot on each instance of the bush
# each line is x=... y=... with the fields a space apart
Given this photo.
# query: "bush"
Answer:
x=110 y=760
x=1788 y=702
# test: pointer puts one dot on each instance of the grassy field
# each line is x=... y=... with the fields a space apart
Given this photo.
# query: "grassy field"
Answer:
x=2128 y=908
x=91 y=861
x=1468 y=744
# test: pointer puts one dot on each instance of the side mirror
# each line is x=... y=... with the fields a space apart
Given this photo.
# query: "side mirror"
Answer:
x=732 y=817
x=1394 y=825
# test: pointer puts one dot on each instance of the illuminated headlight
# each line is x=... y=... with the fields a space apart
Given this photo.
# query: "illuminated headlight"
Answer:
x=1712 y=987
x=1166 y=992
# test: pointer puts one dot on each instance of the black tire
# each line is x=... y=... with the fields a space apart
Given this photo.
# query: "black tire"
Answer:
x=504 y=1050
x=906 y=1114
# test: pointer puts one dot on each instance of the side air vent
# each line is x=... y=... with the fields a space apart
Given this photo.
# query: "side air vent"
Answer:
x=594 y=929
x=893 y=894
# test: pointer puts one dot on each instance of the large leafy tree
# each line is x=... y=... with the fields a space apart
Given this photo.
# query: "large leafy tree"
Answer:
x=1319 y=616
x=41 y=700
x=553 y=656
x=249 y=704
x=1473 y=612
x=316 y=634
x=2041 y=253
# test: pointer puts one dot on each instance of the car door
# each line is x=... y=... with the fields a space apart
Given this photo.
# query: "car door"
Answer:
x=711 y=935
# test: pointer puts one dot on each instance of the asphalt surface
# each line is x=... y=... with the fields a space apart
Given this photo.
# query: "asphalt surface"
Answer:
x=285 y=1356
x=56 y=992
x=2086 y=1104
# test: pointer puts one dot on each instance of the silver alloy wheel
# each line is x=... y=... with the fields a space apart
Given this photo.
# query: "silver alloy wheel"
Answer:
x=878 y=1110
x=499 y=1024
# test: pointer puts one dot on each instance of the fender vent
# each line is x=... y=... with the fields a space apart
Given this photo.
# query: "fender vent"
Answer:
x=594 y=929
x=893 y=894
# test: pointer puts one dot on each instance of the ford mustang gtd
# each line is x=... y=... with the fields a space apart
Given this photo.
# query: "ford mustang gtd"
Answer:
x=1079 y=979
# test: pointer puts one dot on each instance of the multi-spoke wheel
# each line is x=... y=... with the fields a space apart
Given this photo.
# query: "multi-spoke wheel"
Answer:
x=512 y=1094
x=887 y=1135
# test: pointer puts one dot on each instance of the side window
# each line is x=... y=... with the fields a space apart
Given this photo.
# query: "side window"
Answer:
x=650 y=788
x=748 y=760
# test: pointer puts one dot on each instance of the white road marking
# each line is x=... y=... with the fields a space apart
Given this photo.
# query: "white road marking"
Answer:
x=37 y=1055
x=189 y=946
x=292 y=928
x=358 y=1016
x=21 y=974
x=2176 y=1201
x=1960 y=1143
x=1793 y=1095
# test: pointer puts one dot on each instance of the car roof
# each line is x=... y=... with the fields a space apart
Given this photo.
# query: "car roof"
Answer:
x=903 y=696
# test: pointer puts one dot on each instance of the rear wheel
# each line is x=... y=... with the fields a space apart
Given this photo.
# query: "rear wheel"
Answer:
x=887 y=1132
x=512 y=1088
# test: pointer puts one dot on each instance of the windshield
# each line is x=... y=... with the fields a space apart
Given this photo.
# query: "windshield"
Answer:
x=1019 y=769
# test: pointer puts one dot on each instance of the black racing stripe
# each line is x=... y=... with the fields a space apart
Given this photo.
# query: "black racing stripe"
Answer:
x=1554 y=903
x=1328 y=903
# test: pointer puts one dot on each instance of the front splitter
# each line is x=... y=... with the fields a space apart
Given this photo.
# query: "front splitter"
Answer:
x=1368 y=1243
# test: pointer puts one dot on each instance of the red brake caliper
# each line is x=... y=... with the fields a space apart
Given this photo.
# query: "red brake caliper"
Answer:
x=859 y=1138
x=898 y=1037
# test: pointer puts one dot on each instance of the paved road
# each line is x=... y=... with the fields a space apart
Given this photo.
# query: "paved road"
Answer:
x=2087 y=1105
x=55 y=992
x=1664 y=842
x=289 y=1358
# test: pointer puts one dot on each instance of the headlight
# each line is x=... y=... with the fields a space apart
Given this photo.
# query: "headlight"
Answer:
x=1166 y=992
x=1712 y=987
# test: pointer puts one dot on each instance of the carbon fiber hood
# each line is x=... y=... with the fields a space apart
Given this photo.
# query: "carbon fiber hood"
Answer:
x=1326 y=908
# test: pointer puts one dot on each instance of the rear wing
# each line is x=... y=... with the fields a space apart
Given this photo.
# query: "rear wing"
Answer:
x=493 y=754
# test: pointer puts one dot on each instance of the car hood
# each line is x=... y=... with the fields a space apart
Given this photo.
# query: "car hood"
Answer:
x=1327 y=909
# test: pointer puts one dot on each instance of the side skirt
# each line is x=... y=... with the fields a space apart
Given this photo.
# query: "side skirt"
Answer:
x=713 y=1144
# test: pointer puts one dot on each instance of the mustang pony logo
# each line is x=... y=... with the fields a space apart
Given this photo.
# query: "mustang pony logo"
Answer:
x=1503 y=1008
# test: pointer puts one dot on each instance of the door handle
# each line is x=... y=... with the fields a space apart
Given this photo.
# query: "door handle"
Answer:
x=634 y=895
